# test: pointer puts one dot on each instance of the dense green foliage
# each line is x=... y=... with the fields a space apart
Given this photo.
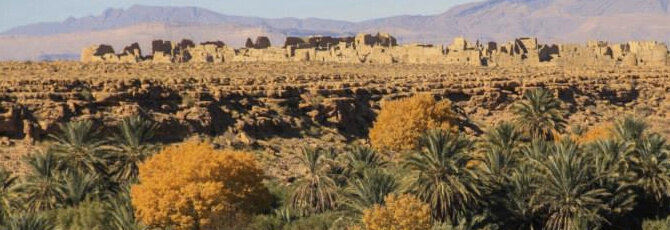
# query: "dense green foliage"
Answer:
x=76 y=182
x=316 y=192
x=539 y=114
x=525 y=173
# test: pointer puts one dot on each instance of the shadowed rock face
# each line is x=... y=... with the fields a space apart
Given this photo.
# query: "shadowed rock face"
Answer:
x=262 y=100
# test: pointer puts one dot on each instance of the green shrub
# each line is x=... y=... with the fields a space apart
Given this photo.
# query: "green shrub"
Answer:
x=661 y=224
x=88 y=215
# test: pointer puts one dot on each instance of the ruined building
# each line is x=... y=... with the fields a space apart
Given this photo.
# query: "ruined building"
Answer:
x=383 y=48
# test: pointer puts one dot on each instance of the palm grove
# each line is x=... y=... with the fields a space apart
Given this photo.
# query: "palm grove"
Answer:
x=420 y=172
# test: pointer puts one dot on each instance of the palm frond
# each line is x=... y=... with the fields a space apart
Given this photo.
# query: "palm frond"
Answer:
x=568 y=192
x=361 y=158
x=440 y=176
x=315 y=192
x=79 y=148
x=369 y=190
x=539 y=114
x=630 y=129
x=42 y=188
x=132 y=147
x=650 y=164
x=28 y=221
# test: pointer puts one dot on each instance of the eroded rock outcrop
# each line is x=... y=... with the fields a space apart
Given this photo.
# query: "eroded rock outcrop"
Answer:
x=259 y=100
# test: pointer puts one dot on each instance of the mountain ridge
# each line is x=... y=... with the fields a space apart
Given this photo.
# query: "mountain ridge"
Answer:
x=552 y=21
x=114 y=18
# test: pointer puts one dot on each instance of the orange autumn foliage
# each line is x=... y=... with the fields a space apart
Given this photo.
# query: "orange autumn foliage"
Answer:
x=401 y=122
x=192 y=185
x=401 y=212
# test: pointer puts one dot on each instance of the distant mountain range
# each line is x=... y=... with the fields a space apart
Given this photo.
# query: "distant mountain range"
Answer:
x=552 y=21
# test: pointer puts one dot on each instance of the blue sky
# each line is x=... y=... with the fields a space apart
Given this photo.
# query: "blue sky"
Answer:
x=22 y=12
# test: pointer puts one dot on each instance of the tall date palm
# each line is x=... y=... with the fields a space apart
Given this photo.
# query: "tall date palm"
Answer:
x=42 y=188
x=440 y=176
x=316 y=192
x=651 y=165
x=79 y=148
x=568 y=191
x=500 y=148
x=7 y=194
x=630 y=129
x=369 y=190
x=132 y=147
x=361 y=158
x=539 y=114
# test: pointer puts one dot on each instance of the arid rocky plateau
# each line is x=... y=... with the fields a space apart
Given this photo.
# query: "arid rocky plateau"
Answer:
x=276 y=106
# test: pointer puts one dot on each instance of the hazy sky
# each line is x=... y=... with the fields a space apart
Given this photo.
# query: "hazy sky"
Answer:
x=21 y=12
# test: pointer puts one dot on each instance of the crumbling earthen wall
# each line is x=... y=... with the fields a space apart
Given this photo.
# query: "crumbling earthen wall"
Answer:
x=383 y=48
x=98 y=53
x=418 y=54
x=649 y=53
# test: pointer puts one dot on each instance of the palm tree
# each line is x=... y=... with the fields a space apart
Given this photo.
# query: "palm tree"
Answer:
x=539 y=114
x=7 y=195
x=495 y=167
x=132 y=147
x=609 y=156
x=630 y=129
x=123 y=213
x=537 y=149
x=514 y=206
x=361 y=158
x=334 y=167
x=369 y=190
x=650 y=164
x=476 y=222
x=567 y=190
x=315 y=192
x=500 y=149
x=42 y=188
x=78 y=188
x=610 y=167
x=504 y=137
x=28 y=221
x=79 y=148
x=440 y=176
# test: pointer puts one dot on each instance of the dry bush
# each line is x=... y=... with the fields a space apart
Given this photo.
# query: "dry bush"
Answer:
x=401 y=212
x=401 y=122
x=193 y=186
x=598 y=132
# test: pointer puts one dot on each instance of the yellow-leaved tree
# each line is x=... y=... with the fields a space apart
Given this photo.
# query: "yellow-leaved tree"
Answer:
x=401 y=122
x=400 y=212
x=193 y=186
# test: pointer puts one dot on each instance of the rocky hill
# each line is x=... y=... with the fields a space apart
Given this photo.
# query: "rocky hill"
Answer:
x=556 y=21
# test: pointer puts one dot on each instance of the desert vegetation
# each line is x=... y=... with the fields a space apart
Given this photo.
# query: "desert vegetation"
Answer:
x=421 y=171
